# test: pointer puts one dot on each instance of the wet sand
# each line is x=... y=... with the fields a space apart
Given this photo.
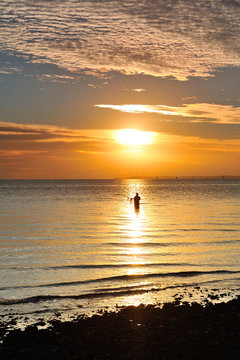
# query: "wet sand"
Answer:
x=175 y=331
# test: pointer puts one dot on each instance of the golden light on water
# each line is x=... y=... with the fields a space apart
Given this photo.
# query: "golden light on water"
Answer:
x=134 y=137
x=135 y=251
x=135 y=235
x=135 y=227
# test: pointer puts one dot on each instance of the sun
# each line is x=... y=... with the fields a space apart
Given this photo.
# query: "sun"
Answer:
x=134 y=137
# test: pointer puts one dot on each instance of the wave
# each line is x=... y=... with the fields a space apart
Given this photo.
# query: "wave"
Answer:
x=209 y=230
x=173 y=243
x=99 y=293
x=147 y=244
x=97 y=266
x=40 y=298
x=118 y=278
x=114 y=266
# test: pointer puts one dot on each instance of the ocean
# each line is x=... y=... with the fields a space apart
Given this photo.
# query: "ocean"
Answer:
x=72 y=247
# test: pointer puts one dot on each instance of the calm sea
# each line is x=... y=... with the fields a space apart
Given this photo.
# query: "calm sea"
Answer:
x=73 y=246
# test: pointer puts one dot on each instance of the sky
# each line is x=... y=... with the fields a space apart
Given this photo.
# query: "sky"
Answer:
x=116 y=88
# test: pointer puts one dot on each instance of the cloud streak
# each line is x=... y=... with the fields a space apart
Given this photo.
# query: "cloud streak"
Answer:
x=28 y=139
x=161 y=37
x=200 y=112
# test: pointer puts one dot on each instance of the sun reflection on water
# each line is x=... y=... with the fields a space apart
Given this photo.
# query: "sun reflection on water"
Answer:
x=135 y=226
x=135 y=235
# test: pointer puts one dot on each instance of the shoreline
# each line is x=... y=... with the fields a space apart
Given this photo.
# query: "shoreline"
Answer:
x=174 y=331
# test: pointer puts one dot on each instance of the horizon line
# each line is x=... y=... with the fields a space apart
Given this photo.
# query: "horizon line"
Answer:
x=192 y=177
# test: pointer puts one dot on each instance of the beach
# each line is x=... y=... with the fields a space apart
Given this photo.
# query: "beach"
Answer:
x=174 y=331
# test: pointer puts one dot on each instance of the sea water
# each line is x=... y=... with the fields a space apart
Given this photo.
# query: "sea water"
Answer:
x=70 y=246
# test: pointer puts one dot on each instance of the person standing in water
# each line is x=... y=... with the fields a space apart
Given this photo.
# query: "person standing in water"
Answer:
x=136 y=201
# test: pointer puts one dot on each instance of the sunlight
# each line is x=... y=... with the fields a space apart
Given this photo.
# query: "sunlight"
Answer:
x=135 y=234
x=134 y=137
x=135 y=251
x=135 y=228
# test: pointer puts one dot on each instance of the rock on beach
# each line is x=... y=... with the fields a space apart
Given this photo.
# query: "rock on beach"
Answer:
x=186 y=331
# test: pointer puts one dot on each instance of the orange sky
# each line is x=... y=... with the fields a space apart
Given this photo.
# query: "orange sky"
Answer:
x=50 y=152
x=72 y=73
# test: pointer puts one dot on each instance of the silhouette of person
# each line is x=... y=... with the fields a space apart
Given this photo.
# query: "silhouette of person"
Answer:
x=136 y=201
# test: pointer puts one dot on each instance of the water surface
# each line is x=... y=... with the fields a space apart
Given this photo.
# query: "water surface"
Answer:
x=70 y=244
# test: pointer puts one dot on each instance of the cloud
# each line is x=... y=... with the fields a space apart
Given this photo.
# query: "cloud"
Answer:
x=161 y=37
x=189 y=98
x=13 y=131
x=19 y=139
x=138 y=90
x=7 y=69
x=140 y=109
x=200 y=112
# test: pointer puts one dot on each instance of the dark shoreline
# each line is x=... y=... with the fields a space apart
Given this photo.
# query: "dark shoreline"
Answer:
x=186 y=331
